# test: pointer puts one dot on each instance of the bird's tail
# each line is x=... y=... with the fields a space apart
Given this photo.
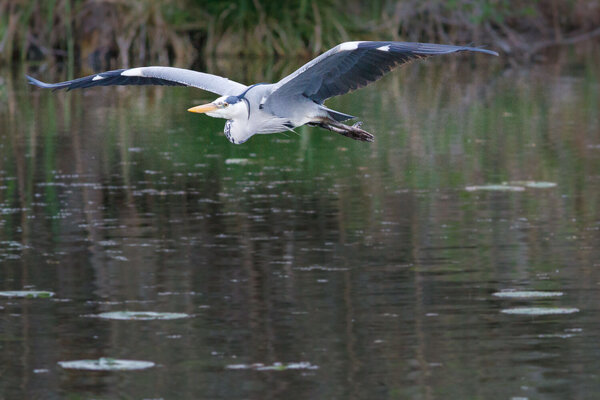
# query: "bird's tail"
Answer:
x=336 y=115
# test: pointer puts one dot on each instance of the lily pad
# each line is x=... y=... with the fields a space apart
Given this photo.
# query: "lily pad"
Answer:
x=495 y=188
x=237 y=161
x=140 y=315
x=556 y=335
x=28 y=294
x=532 y=184
x=526 y=294
x=533 y=311
x=106 y=364
x=274 y=367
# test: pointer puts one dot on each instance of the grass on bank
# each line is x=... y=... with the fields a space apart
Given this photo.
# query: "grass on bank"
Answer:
x=134 y=32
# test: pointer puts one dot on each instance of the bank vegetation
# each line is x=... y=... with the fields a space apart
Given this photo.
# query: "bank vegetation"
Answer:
x=103 y=33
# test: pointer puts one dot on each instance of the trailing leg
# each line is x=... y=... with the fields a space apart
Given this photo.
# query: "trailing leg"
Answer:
x=351 y=131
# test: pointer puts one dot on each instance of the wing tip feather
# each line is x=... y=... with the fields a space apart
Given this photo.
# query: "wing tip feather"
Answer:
x=435 y=49
x=482 y=50
x=35 y=82
x=44 y=85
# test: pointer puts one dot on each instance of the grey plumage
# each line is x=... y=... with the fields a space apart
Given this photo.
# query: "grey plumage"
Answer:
x=168 y=76
x=293 y=101
x=352 y=65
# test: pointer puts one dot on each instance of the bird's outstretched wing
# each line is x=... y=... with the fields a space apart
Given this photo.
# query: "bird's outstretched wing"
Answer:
x=150 y=76
x=352 y=65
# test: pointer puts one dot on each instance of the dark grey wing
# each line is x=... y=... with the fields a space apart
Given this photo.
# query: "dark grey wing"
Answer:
x=352 y=65
x=150 y=76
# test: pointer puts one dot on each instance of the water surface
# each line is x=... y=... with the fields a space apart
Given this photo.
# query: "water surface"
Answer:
x=309 y=266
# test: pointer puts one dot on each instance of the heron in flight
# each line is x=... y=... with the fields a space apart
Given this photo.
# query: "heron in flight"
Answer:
x=294 y=101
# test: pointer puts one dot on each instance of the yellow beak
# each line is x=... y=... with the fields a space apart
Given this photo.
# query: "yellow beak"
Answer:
x=204 y=108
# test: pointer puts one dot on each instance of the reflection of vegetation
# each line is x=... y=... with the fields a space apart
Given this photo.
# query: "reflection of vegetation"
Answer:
x=136 y=32
x=432 y=142
x=402 y=261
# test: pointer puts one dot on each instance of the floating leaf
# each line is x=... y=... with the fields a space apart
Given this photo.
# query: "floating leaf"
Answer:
x=532 y=184
x=237 y=161
x=556 y=335
x=274 y=367
x=140 y=315
x=498 y=188
x=41 y=371
x=106 y=364
x=28 y=294
x=539 y=310
x=526 y=294
x=321 y=268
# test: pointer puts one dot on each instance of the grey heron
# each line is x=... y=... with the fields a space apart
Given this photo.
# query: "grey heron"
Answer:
x=294 y=101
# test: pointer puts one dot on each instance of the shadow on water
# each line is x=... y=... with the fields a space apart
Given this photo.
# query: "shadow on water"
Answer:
x=367 y=271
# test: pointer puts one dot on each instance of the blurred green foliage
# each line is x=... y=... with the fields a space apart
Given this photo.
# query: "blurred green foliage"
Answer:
x=126 y=32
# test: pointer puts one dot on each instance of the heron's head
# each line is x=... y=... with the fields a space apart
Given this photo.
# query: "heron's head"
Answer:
x=228 y=107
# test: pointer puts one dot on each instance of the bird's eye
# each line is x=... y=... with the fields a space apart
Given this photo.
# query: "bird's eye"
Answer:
x=225 y=105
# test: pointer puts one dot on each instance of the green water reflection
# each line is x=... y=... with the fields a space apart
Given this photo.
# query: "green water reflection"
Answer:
x=371 y=263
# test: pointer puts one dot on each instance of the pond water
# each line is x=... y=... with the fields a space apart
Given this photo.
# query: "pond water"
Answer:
x=306 y=266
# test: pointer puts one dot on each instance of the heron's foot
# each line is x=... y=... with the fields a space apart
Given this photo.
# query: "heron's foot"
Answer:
x=353 y=132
